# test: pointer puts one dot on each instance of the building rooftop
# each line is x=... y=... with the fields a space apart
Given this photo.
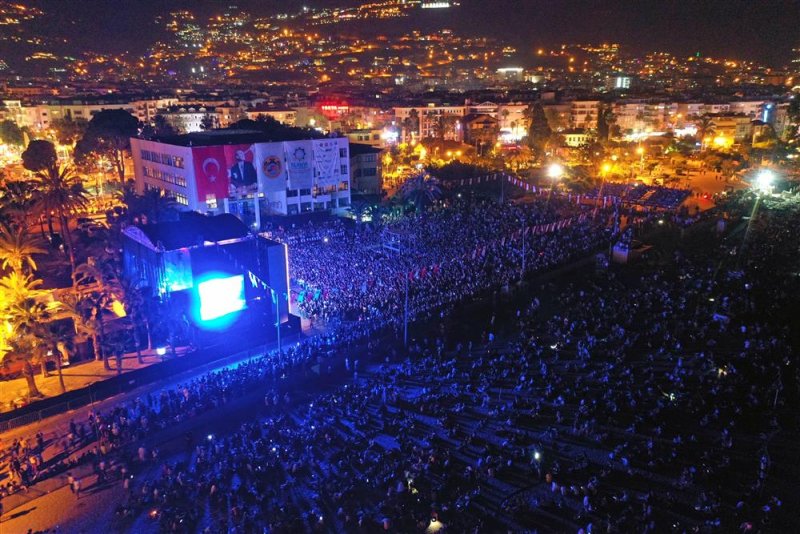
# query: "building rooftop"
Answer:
x=216 y=137
x=193 y=229
x=357 y=149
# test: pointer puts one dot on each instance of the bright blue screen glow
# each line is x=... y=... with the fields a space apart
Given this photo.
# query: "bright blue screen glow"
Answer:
x=220 y=297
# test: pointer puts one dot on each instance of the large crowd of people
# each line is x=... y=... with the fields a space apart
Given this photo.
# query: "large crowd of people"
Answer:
x=645 y=399
x=446 y=254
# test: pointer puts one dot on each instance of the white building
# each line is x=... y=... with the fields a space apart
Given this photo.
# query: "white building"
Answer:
x=584 y=113
x=190 y=119
x=244 y=173
x=432 y=119
x=283 y=115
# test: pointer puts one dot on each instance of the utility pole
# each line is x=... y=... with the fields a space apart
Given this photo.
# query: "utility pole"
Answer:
x=396 y=243
x=278 y=318
x=522 y=275
x=405 y=315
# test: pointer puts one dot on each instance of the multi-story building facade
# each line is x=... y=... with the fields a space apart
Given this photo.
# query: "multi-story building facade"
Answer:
x=584 y=113
x=283 y=115
x=190 y=119
x=245 y=173
x=365 y=169
x=432 y=121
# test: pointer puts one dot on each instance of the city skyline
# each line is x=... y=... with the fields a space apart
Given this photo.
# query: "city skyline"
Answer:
x=763 y=31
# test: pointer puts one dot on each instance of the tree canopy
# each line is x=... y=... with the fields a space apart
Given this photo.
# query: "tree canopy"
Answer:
x=539 y=129
x=39 y=155
x=11 y=134
x=109 y=133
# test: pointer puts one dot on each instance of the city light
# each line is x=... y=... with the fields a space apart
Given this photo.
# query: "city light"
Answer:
x=764 y=181
x=150 y=195
x=555 y=171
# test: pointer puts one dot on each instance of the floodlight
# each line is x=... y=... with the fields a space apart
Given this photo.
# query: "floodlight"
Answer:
x=555 y=171
x=764 y=180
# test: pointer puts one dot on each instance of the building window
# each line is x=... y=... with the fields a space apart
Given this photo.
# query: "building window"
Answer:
x=291 y=193
x=180 y=198
x=305 y=192
x=291 y=209
x=344 y=186
x=343 y=169
x=342 y=152
x=305 y=207
x=177 y=161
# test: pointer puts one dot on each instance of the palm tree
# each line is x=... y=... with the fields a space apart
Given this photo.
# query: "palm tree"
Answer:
x=46 y=340
x=420 y=189
x=413 y=115
x=133 y=297
x=16 y=201
x=17 y=248
x=25 y=316
x=360 y=210
x=60 y=191
x=705 y=128
x=88 y=323
x=97 y=290
x=152 y=206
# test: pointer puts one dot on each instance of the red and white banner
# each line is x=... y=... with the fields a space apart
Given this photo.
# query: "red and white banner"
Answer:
x=210 y=173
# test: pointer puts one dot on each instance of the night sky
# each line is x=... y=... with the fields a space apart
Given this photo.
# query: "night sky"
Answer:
x=762 y=30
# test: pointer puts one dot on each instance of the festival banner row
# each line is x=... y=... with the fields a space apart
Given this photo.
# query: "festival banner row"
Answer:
x=242 y=171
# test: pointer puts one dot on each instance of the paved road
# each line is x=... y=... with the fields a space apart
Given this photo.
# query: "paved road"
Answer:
x=89 y=513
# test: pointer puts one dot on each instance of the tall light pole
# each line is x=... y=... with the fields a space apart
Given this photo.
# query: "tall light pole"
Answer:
x=604 y=170
x=396 y=244
x=763 y=186
x=640 y=151
x=554 y=171
x=405 y=313
x=522 y=275
x=278 y=317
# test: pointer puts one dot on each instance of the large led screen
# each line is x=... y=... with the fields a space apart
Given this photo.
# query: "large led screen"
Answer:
x=220 y=297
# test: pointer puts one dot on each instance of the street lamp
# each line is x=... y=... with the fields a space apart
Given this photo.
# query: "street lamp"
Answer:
x=764 y=180
x=604 y=170
x=554 y=171
x=640 y=151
